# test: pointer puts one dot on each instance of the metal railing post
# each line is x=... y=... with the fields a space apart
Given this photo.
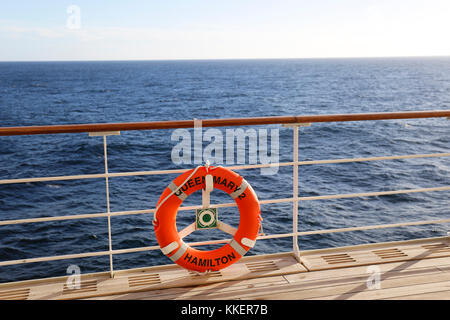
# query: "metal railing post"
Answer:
x=295 y=194
x=108 y=208
x=295 y=197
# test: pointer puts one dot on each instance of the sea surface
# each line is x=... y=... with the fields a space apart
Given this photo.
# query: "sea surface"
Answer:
x=48 y=93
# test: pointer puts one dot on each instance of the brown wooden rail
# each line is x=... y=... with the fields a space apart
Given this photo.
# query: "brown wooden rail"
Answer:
x=102 y=127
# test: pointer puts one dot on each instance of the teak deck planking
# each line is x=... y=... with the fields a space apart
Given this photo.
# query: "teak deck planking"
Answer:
x=413 y=269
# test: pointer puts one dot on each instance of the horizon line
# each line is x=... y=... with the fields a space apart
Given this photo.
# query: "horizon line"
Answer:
x=229 y=59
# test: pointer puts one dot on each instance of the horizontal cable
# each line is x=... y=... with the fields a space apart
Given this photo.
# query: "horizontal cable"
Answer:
x=371 y=194
x=223 y=205
x=411 y=156
x=237 y=167
x=91 y=176
x=124 y=213
x=380 y=226
x=54 y=258
x=349 y=229
x=74 y=217
x=77 y=255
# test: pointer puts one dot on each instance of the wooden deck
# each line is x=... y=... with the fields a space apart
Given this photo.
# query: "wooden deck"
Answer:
x=416 y=269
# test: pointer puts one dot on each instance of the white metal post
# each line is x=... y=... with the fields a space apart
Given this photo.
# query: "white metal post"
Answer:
x=108 y=210
x=295 y=193
x=295 y=197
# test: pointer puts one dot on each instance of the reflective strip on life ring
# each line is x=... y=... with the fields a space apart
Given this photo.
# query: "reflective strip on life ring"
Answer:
x=244 y=238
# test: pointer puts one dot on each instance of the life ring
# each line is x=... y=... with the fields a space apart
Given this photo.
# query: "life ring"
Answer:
x=193 y=180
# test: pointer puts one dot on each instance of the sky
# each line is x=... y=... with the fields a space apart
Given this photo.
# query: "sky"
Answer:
x=47 y=30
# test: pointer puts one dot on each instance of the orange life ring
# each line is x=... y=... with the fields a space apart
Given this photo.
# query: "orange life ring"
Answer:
x=244 y=238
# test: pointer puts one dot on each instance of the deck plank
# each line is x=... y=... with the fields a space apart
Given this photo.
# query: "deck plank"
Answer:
x=327 y=259
x=338 y=288
x=351 y=283
x=202 y=292
x=436 y=295
x=396 y=292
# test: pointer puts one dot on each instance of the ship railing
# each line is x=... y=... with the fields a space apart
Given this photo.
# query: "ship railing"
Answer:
x=106 y=129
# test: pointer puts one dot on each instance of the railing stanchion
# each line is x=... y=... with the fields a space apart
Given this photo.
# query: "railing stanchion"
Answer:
x=108 y=208
x=295 y=194
x=295 y=197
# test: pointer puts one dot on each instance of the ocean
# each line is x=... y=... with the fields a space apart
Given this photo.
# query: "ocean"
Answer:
x=48 y=93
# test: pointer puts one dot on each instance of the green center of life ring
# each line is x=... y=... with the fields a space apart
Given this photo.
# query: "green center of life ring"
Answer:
x=206 y=218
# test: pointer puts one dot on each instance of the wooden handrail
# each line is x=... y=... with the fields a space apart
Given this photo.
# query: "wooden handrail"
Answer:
x=103 y=127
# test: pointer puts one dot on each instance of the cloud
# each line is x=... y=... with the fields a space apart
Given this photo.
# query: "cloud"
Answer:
x=16 y=31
